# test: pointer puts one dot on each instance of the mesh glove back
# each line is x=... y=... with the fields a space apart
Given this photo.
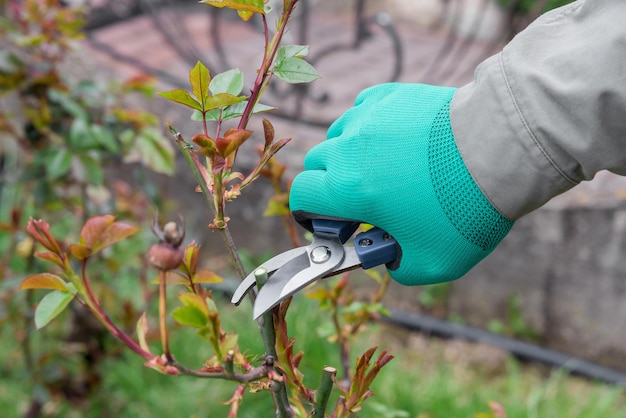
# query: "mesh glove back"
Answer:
x=391 y=161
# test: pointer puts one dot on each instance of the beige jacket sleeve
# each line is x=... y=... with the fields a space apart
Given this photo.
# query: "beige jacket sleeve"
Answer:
x=549 y=111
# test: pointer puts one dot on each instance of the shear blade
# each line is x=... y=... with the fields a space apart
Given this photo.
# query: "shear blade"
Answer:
x=269 y=296
x=271 y=266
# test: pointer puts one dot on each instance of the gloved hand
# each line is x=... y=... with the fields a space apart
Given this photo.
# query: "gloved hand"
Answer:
x=391 y=161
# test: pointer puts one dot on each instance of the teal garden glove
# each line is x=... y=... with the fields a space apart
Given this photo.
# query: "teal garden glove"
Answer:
x=391 y=161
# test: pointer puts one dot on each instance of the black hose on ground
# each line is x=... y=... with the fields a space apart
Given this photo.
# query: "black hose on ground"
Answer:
x=522 y=350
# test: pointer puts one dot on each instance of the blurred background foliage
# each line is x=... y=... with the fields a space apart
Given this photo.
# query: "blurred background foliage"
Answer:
x=64 y=139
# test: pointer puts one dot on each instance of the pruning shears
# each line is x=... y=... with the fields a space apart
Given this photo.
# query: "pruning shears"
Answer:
x=330 y=253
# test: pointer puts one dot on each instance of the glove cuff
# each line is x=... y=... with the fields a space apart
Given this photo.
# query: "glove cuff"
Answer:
x=466 y=207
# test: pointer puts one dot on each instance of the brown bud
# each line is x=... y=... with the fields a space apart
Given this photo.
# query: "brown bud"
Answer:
x=164 y=256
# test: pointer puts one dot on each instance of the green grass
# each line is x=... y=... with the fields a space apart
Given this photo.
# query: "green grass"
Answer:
x=422 y=380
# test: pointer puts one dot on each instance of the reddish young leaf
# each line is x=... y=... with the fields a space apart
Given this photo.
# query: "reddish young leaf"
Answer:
x=276 y=146
x=268 y=131
x=51 y=258
x=40 y=231
x=208 y=148
x=100 y=232
x=233 y=138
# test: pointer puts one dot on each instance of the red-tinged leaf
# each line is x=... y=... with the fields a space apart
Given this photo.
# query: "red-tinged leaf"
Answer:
x=268 y=131
x=51 y=306
x=142 y=331
x=80 y=251
x=51 y=258
x=233 y=138
x=182 y=97
x=160 y=364
x=221 y=100
x=114 y=233
x=276 y=146
x=199 y=78
x=94 y=228
x=206 y=276
x=203 y=140
x=44 y=281
x=100 y=232
x=207 y=146
x=40 y=231
x=233 y=176
x=217 y=164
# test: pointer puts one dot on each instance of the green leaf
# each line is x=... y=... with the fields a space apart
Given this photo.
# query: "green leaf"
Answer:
x=199 y=78
x=295 y=70
x=191 y=316
x=44 y=281
x=230 y=81
x=91 y=172
x=80 y=136
x=222 y=100
x=291 y=51
x=142 y=331
x=59 y=165
x=68 y=104
x=105 y=138
x=182 y=97
x=150 y=148
x=51 y=306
